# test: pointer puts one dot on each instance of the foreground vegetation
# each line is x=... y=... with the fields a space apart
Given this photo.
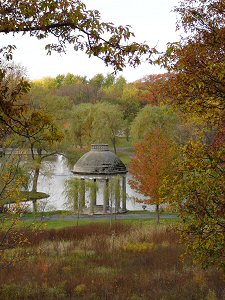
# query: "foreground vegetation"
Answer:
x=99 y=261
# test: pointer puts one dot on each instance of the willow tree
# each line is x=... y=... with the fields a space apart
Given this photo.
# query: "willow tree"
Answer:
x=108 y=123
x=150 y=118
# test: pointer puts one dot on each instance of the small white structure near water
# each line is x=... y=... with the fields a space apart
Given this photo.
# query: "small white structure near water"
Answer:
x=102 y=165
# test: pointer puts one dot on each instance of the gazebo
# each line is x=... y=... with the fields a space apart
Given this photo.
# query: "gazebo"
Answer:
x=100 y=164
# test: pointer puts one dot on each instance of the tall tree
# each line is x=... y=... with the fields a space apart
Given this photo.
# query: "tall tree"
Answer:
x=40 y=135
x=81 y=130
x=197 y=191
x=108 y=123
x=150 y=118
x=151 y=165
x=197 y=86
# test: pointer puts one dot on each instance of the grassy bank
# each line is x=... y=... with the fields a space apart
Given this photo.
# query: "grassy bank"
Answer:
x=98 y=261
x=44 y=219
x=62 y=223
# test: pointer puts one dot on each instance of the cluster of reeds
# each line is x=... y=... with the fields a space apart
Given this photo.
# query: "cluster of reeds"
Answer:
x=99 y=261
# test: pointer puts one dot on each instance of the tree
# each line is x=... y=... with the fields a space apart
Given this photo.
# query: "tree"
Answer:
x=197 y=191
x=75 y=193
x=151 y=88
x=96 y=123
x=41 y=134
x=59 y=107
x=151 y=165
x=29 y=127
x=108 y=123
x=196 y=63
x=130 y=106
x=153 y=117
x=11 y=181
x=69 y=22
x=13 y=87
x=82 y=118
x=197 y=87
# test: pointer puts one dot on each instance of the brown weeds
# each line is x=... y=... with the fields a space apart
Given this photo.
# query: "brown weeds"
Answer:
x=103 y=262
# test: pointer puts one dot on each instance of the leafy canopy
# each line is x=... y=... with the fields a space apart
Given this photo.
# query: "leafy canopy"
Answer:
x=197 y=88
x=152 y=164
x=71 y=23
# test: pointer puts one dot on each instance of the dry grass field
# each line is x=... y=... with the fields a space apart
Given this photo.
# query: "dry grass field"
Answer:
x=98 y=261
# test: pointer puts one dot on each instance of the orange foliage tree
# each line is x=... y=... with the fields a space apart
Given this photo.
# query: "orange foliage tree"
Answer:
x=151 y=88
x=151 y=165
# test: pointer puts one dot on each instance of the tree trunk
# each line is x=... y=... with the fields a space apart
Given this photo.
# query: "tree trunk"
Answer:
x=35 y=178
x=34 y=186
x=114 y=143
x=157 y=213
x=127 y=134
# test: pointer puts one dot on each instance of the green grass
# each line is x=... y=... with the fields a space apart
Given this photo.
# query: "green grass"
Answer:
x=122 y=142
x=62 y=223
x=163 y=221
x=125 y=157
x=48 y=213
x=147 y=212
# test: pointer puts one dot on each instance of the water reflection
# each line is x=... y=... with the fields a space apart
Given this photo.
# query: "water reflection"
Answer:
x=54 y=185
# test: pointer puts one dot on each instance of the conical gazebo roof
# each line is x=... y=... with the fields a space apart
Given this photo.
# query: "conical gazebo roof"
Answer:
x=99 y=161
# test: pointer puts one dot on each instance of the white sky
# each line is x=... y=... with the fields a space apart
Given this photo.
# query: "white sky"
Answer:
x=152 y=22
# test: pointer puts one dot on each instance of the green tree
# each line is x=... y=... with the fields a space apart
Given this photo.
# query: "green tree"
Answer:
x=197 y=191
x=130 y=106
x=108 y=123
x=59 y=107
x=96 y=123
x=41 y=133
x=82 y=118
x=97 y=81
x=154 y=117
x=12 y=180
x=126 y=96
x=75 y=193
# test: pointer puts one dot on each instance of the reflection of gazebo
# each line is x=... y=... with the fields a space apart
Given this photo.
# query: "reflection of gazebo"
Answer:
x=100 y=164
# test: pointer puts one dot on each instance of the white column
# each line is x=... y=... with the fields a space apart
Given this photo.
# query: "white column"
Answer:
x=106 y=195
x=82 y=193
x=93 y=196
x=124 y=194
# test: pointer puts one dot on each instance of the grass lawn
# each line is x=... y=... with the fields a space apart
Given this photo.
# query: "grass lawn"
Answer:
x=63 y=223
x=125 y=157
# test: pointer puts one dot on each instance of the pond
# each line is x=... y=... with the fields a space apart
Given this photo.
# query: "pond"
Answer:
x=52 y=182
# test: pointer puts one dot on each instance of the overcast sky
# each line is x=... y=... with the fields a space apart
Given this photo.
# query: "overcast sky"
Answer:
x=152 y=21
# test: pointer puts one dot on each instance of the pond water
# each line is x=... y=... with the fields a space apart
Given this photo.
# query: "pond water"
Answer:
x=52 y=182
